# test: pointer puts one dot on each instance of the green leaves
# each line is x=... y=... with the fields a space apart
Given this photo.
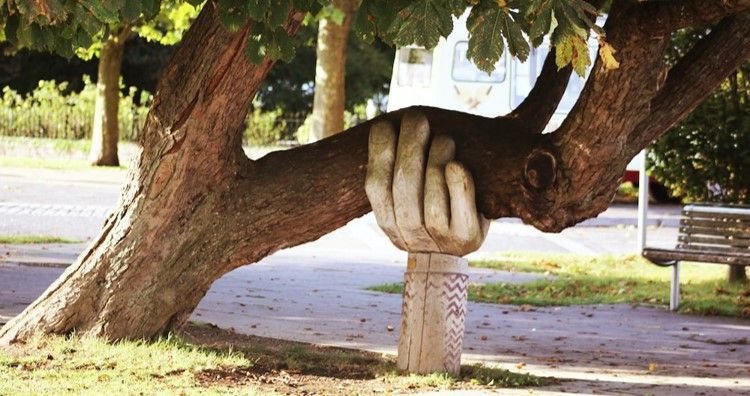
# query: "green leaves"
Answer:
x=423 y=23
x=573 y=50
x=486 y=42
x=493 y=25
x=71 y=27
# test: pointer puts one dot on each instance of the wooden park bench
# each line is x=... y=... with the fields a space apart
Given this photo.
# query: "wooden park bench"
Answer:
x=718 y=234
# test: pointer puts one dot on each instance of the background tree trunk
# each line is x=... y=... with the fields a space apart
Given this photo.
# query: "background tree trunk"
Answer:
x=106 y=130
x=330 y=73
x=737 y=273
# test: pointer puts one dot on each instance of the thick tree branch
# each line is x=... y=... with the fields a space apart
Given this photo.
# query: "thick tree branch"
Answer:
x=322 y=184
x=695 y=76
x=664 y=17
x=537 y=108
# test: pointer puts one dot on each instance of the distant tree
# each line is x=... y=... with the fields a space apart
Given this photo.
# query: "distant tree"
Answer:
x=105 y=131
x=165 y=24
x=291 y=86
x=330 y=69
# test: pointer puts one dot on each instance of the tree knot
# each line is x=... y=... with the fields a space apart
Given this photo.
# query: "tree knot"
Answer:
x=540 y=169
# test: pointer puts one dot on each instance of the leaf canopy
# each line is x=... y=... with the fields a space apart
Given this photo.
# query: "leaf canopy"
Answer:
x=63 y=26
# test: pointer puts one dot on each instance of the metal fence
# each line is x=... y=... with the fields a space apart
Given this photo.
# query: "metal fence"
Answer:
x=74 y=123
x=67 y=123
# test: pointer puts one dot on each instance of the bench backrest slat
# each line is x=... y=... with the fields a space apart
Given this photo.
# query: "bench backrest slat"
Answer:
x=710 y=240
x=715 y=228
x=737 y=211
x=740 y=233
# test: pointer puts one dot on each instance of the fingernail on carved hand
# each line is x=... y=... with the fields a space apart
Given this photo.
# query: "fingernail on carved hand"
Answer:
x=422 y=199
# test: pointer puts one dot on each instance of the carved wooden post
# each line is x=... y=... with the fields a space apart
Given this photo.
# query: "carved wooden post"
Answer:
x=433 y=313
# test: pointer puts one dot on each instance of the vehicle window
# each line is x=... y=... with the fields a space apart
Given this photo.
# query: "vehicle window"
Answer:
x=414 y=67
x=464 y=70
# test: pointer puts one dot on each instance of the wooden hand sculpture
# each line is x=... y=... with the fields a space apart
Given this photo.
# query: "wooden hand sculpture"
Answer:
x=425 y=204
x=422 y=208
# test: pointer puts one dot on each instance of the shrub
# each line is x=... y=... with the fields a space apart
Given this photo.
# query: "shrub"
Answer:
x=264 y=127
x=51 y=111
x=706 y=157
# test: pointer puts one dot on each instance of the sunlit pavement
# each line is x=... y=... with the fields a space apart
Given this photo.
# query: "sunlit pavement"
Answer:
x=314 y=293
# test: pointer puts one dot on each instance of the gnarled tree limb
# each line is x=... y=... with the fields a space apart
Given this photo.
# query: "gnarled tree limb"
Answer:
x=667 y=16
x=695 y=76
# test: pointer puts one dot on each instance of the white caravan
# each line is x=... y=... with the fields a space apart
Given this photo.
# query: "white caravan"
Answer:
x=443 y=77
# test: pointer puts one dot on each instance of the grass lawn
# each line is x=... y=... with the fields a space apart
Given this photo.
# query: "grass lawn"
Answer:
x=57 y=365
x=52 y=163
x=31 y=239
x=608 y=279
x=207 y=360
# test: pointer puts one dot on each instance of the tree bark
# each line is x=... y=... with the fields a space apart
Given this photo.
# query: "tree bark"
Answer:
x=671 y=15
x=196 y=207
x=106 y=129
x=737 y=273
x=330 y=73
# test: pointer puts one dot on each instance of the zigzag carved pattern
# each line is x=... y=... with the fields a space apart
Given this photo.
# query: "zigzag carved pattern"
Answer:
x=454 y=294
x=409 y=293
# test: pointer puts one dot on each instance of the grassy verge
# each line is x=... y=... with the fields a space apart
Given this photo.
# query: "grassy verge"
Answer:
x=52 y=163
x=59 y=145
x=608 y=279
x=57 y=365
x=33 y=239
x=207 y=360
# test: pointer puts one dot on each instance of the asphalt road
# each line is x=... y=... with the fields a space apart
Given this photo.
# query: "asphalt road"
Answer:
x=74 y=204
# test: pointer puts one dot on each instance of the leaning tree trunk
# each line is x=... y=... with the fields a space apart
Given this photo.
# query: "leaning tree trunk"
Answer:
x=196 y=207
x=737 y=273
x=330 y=73
x=105 y=129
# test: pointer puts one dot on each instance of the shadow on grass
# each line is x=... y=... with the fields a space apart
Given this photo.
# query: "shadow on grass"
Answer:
x=273 y=357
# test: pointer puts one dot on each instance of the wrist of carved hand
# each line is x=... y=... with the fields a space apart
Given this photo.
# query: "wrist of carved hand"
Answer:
x=434 y=262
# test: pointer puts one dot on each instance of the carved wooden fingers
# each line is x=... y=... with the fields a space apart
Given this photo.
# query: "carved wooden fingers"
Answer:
x=422 y=199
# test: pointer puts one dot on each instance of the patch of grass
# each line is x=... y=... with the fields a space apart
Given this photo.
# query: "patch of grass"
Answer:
x=478 y=374
x=33 y=239
x=70 y=145
x=62 y=145
x=492 y=376
x=608 y=279
x=629 y=266
x=52 y=163
x=79 y=365
x=204 y=359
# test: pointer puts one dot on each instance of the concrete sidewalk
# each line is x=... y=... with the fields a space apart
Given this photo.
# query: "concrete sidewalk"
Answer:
x=361 y=238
